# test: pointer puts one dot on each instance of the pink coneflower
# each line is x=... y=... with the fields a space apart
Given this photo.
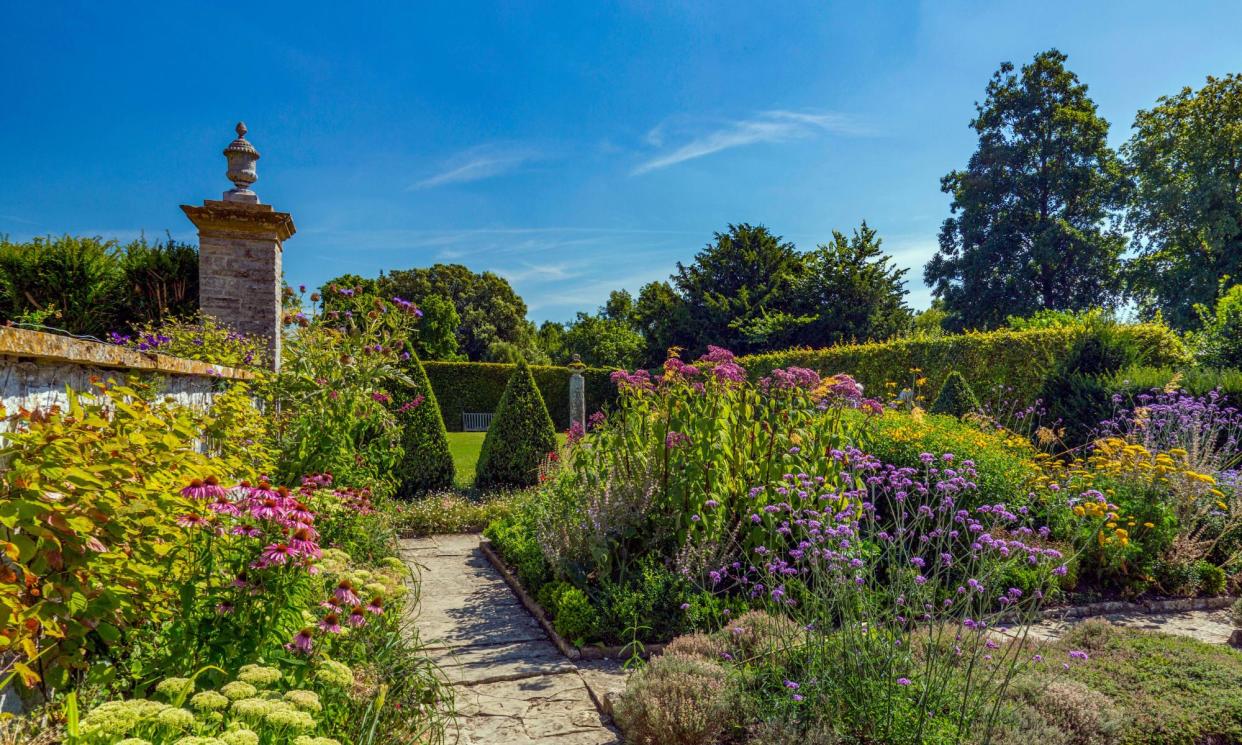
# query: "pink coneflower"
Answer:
x=247 y=530
x=330 y=604
x=223 y=506
x=301 y=513
x=302 y=643
x=376 y=605
x=303 y=541
x=200 y=489
x=331 y=623
x=192 y=521
x=344 y=592
x=263 y=491
x=241 y=580
x=265 y=508
x=357 y=617
x=224 y=608
x=276 y=553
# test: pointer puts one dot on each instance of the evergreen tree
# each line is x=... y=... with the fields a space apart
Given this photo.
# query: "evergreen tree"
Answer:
x=521 y=435
x=1028 y=227
x=428 y=464
x=955 y=397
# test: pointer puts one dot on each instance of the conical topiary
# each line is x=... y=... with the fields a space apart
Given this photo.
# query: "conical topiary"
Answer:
x=955 y=397
x=520 y=437
x=427 y=464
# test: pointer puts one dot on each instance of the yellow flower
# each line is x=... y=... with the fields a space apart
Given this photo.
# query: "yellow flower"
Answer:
x=1149 y=525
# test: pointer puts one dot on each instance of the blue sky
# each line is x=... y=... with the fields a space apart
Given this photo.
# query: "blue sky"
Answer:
x=572 y=147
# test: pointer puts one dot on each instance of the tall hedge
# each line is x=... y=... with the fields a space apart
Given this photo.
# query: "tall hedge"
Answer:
x=477 y=387
x=427 y=464
x=992 y=360
x=520 y=436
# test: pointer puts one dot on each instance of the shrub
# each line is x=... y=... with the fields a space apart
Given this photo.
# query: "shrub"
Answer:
x=1235 y=613
x=573 y=616
x=1053 y=711
x=450 y=512
x=427 y=464
x=515 y=542
x=678 y=700
x=520 y=437
x=1212 y=579
x=478 y=387
x=1077 y=395
x=955 y=397
x=1020 y=360
x=1219 y=343
x=707 y=646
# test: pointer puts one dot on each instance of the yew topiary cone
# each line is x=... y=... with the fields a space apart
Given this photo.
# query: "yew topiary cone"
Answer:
x=428 y=464
x=955 y=397
x=521 y=435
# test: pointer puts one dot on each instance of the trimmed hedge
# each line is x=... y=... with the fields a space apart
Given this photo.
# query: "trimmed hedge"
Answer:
x=520 y=437
x=427 y=464
x=955 y=397
x=990 y=360
x=477 y=387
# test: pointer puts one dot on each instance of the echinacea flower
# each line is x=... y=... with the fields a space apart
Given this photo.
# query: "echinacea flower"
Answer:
x=192 y=521
x=274 y=554
x=344 y=592
x=330 y=623
x=302 y=643
x=303 y=542
x=203 y=489
x=357 y=616
x=376 y=605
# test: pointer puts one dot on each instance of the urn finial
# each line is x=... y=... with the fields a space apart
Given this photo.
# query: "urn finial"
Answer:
x=242 y=158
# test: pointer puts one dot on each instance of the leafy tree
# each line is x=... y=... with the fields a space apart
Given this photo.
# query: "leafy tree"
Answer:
x=851 y=291
x=620 y=307
x=603 y=342
x=661 y=318
x=427 y=464
x=488 y=309
x=746 y=273
x=1185 y=158
x=1219 y=343
x=551 y=337
x=1027 y=231
x=436 y=333
x=520 y=437
x=929 y=322
x=955 y=397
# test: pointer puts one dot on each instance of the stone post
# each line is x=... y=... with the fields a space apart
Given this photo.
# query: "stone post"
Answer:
x=240 y=242
x=577 y=394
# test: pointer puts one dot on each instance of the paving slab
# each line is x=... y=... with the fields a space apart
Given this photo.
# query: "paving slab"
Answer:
x=513 y=686
x=1213 y=627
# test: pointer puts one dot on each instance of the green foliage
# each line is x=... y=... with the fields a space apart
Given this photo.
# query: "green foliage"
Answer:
x=1170 y=690
x=435 y=335
x=1186 y=210
x=92 y=286
x=1029 y=212
x=661 y=318
x=450 y=512
x=427 y=463
x=90 y=496
x=520 y=437
x=478 y=387
x=745 y=273
x=515 y=540
x=1018 y=360
x=573 y=616
x=1077 y=396
x=196 y=337
x=1197 y=381
x=1055 y=319
x=679 y=700
x=601 y=342
x=851 y=291
x=1219 y=342
x=955 y=397
x=334 y=393
x=1212 y=579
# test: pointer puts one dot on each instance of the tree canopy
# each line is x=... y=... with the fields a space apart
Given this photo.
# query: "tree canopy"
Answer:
x=1028 y=228
x=1185 y=157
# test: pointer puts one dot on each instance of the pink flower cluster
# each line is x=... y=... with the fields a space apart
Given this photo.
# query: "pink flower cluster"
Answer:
x=789 y=378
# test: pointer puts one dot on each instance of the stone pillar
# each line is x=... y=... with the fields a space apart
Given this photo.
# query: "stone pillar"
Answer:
x=577 y=394
x=240 y=242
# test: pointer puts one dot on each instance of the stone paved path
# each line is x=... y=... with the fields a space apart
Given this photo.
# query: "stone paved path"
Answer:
x=513 y=686
x=1213 y=627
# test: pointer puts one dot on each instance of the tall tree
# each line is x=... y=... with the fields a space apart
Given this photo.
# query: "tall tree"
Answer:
x=492 y=316
x=1185 y=158
x=746 y=274
x=660 y=317
x=852 y=291
x=1028 y=227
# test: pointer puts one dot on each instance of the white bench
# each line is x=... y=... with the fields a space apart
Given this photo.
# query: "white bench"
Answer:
x=475 y=422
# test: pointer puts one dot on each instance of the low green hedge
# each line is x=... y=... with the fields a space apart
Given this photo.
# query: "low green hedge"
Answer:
x=477 y=387
x=988 y=360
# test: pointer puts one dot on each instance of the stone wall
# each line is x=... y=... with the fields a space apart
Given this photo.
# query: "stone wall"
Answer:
x=37 y=368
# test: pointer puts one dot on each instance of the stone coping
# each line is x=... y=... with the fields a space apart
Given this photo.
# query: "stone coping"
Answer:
x=39 y=345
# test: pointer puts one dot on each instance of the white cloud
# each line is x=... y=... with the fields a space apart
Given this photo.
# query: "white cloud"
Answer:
x=767 y=126
x=478 y=163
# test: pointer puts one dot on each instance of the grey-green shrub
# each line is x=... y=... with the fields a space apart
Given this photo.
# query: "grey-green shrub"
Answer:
x=678 y=700
x=520 y=437
x=427 y=464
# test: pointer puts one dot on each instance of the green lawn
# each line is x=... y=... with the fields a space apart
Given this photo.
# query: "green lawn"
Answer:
x=465 y=448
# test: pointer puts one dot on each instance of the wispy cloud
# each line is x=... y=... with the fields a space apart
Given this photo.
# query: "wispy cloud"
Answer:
x=478 y=163
x=767 y=126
